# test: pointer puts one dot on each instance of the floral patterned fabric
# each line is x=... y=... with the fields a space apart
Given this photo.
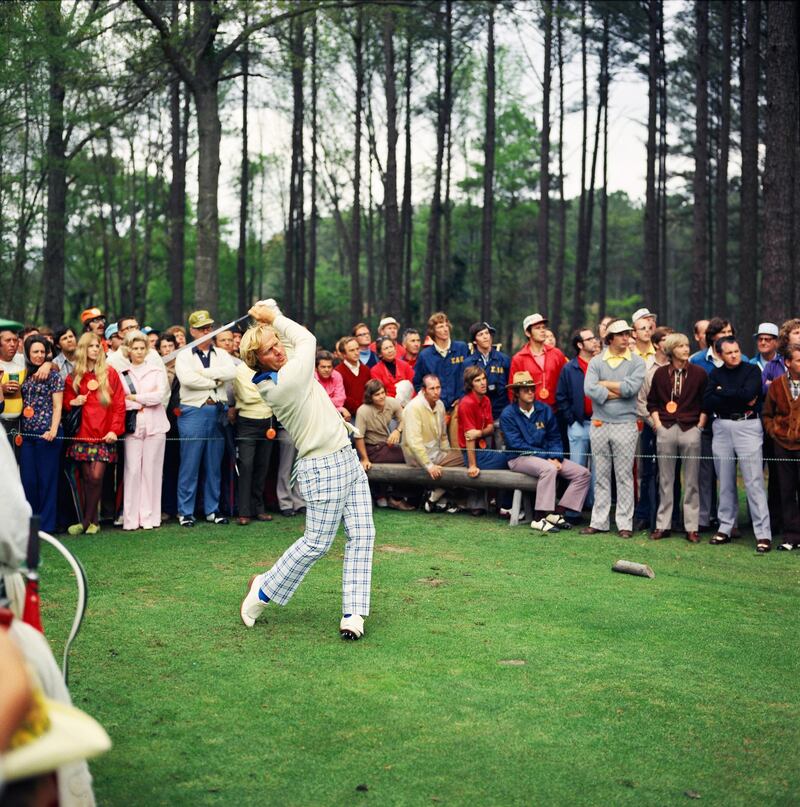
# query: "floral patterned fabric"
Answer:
x=92 y=452
x=38 y=395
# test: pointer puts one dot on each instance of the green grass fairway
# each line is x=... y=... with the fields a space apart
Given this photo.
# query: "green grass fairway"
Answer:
x=499 y=667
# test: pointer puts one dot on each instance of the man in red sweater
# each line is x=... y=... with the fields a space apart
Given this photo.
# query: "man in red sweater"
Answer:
x=354 y=375
x=542 y=361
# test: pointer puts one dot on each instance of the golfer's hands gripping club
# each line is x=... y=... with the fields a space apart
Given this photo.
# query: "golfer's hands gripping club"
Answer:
x=265 y=311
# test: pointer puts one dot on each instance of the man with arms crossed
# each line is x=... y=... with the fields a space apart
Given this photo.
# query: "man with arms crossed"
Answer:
x=329 y=474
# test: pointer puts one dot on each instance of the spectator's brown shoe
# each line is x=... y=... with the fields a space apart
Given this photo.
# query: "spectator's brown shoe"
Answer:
x=693 y=537
x=625 y=534
x=264 y=517
x=592 y=531
x=243 y=521
x=657 y=535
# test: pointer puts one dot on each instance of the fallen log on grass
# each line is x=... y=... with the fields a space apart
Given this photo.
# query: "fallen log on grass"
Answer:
x=629 y=567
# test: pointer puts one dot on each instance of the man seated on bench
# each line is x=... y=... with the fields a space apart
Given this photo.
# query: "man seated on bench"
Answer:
x=535 y=448
x=426 y=445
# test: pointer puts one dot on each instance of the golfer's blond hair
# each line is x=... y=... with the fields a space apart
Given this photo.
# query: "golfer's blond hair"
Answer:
x=671 y=341
x=251 y=344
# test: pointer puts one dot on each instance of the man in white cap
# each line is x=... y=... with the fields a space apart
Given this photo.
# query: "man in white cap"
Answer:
x=390 y=327
x=542 y=361
x=766 y=344
x=613 y=380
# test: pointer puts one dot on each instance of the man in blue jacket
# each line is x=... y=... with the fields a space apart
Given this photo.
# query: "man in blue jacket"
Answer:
x=493 y=362
x=444 y=359
x=573 y=405
x=534 y=447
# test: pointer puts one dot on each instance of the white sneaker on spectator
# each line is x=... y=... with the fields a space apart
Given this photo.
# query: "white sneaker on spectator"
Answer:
x=558 y=520
x=381 y=502
x=543 y=525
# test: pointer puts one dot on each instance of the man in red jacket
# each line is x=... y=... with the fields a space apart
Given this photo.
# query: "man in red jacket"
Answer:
x=542 y=361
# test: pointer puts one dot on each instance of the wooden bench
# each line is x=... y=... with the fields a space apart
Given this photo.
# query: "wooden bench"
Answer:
x=522 y=484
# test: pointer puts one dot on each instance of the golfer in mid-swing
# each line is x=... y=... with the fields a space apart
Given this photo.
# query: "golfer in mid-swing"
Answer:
x=329 y=474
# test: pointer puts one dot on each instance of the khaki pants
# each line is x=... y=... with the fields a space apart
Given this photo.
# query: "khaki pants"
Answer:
x=672 y=443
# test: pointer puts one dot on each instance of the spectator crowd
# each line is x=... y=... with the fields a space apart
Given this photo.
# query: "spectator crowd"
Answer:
x=115 y=422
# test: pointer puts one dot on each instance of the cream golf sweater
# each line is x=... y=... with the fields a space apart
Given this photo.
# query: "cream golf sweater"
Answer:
x=298 y=399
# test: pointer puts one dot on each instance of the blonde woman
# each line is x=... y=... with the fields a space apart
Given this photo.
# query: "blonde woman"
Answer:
x=96 y=388
x=145 y=387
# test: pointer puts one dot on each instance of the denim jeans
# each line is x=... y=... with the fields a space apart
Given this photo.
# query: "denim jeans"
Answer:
x=580 y=449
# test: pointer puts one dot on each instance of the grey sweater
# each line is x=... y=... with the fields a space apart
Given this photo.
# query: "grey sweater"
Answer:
x=629 y=373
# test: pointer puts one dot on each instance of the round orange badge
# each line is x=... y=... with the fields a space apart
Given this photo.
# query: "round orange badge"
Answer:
x=481 y=443
x=27 y=412
x=597 y=423
x=271 y=433
x=671 y=407
x=18 y=440
x=92 y=385
x=544 y=394
x=177 y=411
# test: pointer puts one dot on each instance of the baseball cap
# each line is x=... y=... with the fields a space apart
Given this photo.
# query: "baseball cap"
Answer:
x=533 y=319
x=90 y=314
x=768 y=329
x=618 y=326
x=477 y=327
x=111 y=330
x=199 y=319
x=640 y=313
x=388 y=321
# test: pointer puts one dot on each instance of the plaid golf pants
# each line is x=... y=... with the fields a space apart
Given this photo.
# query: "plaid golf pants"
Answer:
x=335 y=488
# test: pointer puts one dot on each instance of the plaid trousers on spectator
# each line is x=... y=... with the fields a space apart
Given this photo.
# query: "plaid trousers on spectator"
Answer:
x=335 y=488
x=613 y=447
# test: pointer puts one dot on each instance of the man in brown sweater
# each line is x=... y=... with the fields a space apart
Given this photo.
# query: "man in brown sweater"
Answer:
x=675 y=403
x=781 y=417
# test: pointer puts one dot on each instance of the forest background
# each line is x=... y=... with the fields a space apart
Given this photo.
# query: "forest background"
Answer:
x=398 y=157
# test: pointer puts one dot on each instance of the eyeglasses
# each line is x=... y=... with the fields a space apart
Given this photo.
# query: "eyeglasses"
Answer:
x=363 y=333
x=129 y=327
x=591 y=338
x=766 y=338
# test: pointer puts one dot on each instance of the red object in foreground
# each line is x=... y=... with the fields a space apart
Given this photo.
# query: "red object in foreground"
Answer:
x=31 y=613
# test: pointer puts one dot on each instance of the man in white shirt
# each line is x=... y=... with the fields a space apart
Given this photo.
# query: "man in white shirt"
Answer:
x=329 y=474
x=202 y=372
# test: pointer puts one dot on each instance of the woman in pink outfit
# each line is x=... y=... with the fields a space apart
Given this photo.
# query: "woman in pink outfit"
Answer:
x=145 y=387
x=331 y=382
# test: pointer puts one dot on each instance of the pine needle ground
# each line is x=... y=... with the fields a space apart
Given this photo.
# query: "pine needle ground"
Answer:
x=499 y=667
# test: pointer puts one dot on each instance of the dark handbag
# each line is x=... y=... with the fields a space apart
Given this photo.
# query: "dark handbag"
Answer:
x=130 y=414
x=72 y=422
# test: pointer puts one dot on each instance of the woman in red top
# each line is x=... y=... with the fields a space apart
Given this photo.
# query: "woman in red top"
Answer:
x=97 y=388
x=391 y=371
x=476 y=427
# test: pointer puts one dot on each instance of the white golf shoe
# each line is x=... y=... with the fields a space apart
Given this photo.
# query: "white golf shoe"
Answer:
x=252 y=604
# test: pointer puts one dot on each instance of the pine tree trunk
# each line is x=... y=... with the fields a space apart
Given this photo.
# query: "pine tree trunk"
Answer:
x=579 y=294
x=355 y=240
x=244 y=191
x=780 y=139
x=488 y=175
x=392 y=243
x=176 y=206
x=55 y=240
x=433 y=247
x=406 y=211
x=721 y=207
x=544 y=170
x=558 y=293
x=664 y=304
x=651 y=271
x=749 y=72
x=700 y=217
x=311 y=311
